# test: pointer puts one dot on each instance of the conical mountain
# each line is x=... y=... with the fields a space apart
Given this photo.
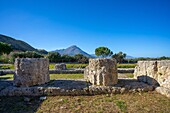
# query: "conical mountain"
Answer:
x=72 y=50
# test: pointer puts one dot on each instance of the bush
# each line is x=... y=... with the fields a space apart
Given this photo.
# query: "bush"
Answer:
x=6 y=58
x=27 y=54
x=54 y=57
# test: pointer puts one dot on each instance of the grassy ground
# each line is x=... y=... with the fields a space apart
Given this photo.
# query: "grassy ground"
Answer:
x=6 y=66
x=126 y=65
x=52 y=76
x=150 y=102
x=7 y=77
x=66 y=76
x=51 y=66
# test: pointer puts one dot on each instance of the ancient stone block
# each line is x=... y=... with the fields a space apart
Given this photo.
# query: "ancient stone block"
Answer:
x=60 y=66
x=101 y=71
x=31 y=71
x=154 y=72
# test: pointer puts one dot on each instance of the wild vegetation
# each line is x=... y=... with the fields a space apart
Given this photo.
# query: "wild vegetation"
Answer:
x=5 y=48
x=16 y=44
x=52 y=65
x=149 y=102
x=119 y=57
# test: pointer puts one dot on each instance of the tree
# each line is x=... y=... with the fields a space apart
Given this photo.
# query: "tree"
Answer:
x=103 y=52
x=119 y=56
x=81 y=58
x=5 y=48
x=67 y=58
x=54 y=57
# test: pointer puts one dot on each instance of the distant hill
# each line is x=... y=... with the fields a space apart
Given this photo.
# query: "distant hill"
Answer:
x=16 y=44
x=72 y=50
x=20 y=45
x=129 y=57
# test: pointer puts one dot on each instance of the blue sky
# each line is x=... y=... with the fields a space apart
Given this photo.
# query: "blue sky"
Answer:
x=136 y=27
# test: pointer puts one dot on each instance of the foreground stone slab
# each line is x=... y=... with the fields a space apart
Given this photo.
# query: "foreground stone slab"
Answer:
x=31 y=71
x=101 y=71
x=74 y=88
x=163 y=91
x=154 y=72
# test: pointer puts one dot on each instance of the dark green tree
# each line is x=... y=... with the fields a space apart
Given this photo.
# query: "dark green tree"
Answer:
x=54 y=57
x=5 y=48
x=81 y=58
x=103 y=52
x=119 y=56
x=67 y=58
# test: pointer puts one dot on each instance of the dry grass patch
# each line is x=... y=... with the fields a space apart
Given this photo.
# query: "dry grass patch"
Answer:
x=150 y=102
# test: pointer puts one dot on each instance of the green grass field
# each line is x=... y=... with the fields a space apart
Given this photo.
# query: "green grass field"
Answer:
x=7 y=66
x=67 y=76
x=126 y=65
x=51 y=66
x=52 y=76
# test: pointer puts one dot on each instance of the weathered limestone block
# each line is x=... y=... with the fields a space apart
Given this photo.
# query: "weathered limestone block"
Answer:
x=101 y=71
x=154 y=72
x=61 y=66
x=31 y=71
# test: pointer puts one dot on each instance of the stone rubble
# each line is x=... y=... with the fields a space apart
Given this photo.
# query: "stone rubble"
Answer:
x=76 y=87
x=60 y=66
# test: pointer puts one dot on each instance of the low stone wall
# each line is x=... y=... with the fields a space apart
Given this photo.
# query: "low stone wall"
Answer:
x=125 y=70
x=31 y=71
x=101 y=71
x=4 y=72
x=68 y=71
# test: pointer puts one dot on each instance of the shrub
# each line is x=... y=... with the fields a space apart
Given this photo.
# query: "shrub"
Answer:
x=54 y=57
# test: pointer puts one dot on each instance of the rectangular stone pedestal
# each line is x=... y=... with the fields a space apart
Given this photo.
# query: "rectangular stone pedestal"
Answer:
x=31 y=71
x=101 y=71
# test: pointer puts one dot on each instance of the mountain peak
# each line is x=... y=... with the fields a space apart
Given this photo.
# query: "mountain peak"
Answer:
x=73 y=46
x=72 y=50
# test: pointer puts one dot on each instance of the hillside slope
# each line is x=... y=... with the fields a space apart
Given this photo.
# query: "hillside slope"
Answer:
x=16 y=44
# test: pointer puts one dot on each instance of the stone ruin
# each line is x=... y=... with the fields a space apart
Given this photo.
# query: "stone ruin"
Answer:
x=155 y=73
x=31 y=71
x=101 y=71
x=60 y=66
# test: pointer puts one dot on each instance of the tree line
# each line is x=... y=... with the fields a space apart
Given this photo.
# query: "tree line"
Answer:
x=101 y=52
